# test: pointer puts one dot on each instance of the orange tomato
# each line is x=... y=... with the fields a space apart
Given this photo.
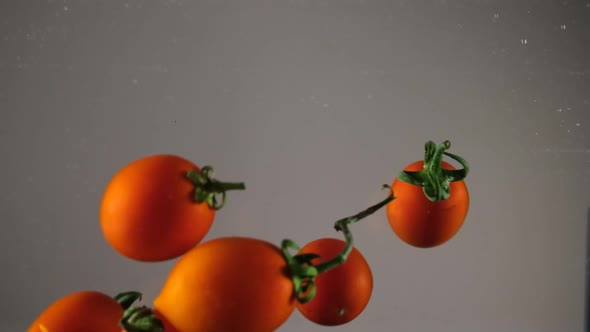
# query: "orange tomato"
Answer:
x=229 y=284
x=83 y=311
x=148 y=212
x=343 y=292
x=420 y=222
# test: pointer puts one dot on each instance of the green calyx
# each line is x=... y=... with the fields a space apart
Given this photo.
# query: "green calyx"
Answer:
x=303 y=271
x=137 y=319
x=207 y=188
x=435 y=180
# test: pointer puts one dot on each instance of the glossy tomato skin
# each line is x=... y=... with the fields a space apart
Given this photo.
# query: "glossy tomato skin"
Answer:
x=148 y=212
x=341 y=293
x=420 y=222
x=83 y=311
x=231 y=284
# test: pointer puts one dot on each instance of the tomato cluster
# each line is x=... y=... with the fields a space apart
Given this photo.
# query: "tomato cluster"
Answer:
x=161 y=207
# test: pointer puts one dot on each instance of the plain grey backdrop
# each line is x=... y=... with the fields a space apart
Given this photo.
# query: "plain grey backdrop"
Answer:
x=315 y=105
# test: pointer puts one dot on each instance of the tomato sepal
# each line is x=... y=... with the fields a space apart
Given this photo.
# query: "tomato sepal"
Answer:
x=435 y=180
x=207 y=187
x=141 y=319
x=126 y=299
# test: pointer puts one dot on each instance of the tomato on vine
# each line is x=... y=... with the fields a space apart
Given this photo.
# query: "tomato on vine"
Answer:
x=93 y=311
x=229 y=284
x=332 y=281
x=242 y=284
x=343 y=292
x=158 y=207
x=432 y=199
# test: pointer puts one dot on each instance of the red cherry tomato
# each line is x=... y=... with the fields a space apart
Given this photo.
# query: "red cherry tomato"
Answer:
x=343 y=292
x=88 y=311
x=230 y=284
x=149 y=212
x=420 y=222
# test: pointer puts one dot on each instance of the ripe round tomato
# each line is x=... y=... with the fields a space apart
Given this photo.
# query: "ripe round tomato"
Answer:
x=423 y=223
x=229 y=284
x=83 y=311
x=148 y=211
x=343 y=292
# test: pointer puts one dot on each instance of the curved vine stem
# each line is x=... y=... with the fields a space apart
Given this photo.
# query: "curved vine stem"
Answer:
x=435 y=180
x=207 y=187
x=303 y=271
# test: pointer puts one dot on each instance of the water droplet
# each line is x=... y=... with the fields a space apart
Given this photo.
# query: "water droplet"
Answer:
x=135 y=81
x=563 y=27
x=577 y=124
x=369 y=96
x=524 y=41
x=496 y=16
x=325 y=105
x=559 y=110
x=65 y=8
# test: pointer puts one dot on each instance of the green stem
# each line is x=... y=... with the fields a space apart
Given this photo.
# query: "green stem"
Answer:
x=433 y=178
x=207 y=187
x=342 y=225
x=303 y=271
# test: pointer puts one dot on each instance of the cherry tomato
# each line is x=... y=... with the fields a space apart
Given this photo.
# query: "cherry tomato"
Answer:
x=82 y=311
x=343 y=292
x=229 y=284
x=423 y=223
x=149 y=211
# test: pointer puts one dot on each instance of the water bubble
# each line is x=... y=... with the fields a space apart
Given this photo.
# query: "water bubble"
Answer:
x=66 y=8
x=135 y=81
x=563 y=27
x=524 y=41
x=559 y=110
x=577 y=124
x=495 y=17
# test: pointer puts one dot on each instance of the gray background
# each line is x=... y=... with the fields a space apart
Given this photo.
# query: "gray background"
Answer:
x=314 y=104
